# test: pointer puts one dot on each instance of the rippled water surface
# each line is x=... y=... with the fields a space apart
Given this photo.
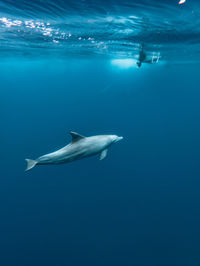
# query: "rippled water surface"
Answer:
x=115 y=29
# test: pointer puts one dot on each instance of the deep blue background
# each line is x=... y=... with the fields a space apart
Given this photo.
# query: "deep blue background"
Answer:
x=139 y=206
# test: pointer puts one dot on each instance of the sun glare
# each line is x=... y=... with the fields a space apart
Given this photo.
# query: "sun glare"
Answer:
x=124 y=63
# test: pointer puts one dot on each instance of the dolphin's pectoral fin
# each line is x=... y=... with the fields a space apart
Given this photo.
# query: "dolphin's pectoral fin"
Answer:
x=103 y=154
x=76 y=136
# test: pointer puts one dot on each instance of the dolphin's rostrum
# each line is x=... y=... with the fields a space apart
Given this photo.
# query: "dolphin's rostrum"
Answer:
x=78 y=148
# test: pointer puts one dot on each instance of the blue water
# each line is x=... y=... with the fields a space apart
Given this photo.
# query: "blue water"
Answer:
x=77 y=71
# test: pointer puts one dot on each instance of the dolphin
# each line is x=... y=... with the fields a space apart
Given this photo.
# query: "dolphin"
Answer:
x=80 y=147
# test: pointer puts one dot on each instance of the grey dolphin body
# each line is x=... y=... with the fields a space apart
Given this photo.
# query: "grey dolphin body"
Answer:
x=80 y=147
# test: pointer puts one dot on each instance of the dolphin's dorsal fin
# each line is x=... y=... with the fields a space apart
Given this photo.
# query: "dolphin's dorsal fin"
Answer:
x=76 y=136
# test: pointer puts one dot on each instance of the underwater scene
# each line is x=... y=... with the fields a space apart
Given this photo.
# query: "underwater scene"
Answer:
x=100 y=132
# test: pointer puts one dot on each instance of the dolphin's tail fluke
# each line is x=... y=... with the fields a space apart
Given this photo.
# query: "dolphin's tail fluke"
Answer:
x=30 y=164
